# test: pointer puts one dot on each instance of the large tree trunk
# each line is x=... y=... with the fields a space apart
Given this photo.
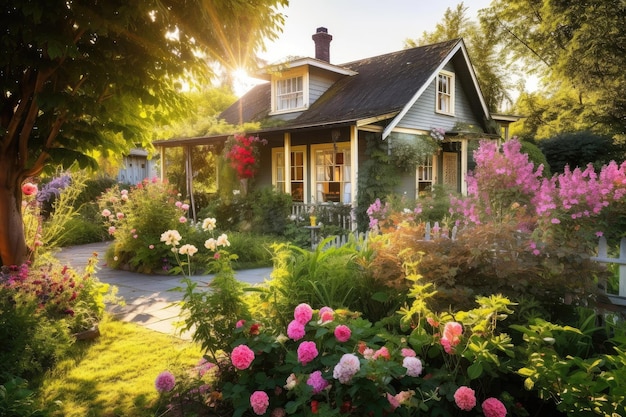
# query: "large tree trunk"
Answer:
x=12 y=241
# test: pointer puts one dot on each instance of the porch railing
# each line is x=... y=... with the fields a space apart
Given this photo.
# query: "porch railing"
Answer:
x=328 y=213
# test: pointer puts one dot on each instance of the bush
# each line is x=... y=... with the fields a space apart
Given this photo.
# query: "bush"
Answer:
x=137 y=217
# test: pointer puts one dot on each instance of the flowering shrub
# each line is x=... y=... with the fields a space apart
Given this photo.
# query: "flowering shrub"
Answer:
x=242 y=152
x=135 y=218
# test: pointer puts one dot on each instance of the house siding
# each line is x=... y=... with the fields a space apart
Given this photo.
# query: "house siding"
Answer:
x=318 y=84
x=422 y=114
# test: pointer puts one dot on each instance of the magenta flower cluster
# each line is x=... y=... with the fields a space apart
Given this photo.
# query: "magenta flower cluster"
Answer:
x=577 y=193
x=165 y=382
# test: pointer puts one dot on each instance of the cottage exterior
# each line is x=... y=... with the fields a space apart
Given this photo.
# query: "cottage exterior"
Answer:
x=317 y=116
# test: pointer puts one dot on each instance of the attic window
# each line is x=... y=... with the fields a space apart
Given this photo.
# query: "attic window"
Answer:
x=289 y=93
x=445 y=93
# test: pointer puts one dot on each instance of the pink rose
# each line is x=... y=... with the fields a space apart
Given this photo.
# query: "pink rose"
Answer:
x=295 y=330
x=29 y=188
x=316 y=381
x=492 y=407
x=307 y=351
x=326 y=314
x=165 y=382
x=259 y=401
x=406 y=352
x=303 y=313
x=465 y=398
x=343 y=333
x=242 y=356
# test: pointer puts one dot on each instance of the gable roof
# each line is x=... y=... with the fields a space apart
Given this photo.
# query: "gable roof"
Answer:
x=383 y=85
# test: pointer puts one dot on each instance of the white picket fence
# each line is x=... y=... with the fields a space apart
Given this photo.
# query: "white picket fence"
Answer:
x=430 y=233
x=603 y=257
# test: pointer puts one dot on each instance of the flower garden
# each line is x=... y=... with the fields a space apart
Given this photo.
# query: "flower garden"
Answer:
x=501 y=320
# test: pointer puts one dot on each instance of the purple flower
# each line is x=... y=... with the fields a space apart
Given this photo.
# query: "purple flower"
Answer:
x=165 y=382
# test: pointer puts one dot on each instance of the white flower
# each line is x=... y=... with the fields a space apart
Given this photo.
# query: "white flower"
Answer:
x=188 y=250
x=347 y=367
x=291 y=382
x=208 y=224
x=222 y=240
x=171 y=237
x=413 y=366
x=210 y=244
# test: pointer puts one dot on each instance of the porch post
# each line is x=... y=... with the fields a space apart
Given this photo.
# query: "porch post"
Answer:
x=464 y=156
x=287 y=147
x=354 y=163
x=189 y=180
x=162 y=162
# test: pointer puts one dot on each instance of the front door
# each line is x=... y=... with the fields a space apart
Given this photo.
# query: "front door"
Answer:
x=451 y=170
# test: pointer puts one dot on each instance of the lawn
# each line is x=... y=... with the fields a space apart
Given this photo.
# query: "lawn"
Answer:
x=114 y=374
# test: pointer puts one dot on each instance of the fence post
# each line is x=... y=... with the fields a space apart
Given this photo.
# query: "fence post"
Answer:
x=622 y=267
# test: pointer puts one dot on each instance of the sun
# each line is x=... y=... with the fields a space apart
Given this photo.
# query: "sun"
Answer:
x=242 y=82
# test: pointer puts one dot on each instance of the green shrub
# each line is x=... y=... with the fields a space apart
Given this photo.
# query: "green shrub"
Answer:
x=271 y=211
x=137 y=217
x=16 y=399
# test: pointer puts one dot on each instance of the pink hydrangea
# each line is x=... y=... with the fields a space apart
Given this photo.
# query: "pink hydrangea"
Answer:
x=165 y=382
x=347 y=367
x=295 y=330
x=492 y=407
x=342 y=333
x=259 y=401
x=241 y=357
x=303 y=313
x=465 y=398
x=413 y=366
x=317 y=382
x=307 y=351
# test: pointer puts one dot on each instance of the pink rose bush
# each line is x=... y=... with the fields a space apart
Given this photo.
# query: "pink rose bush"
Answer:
x=242 y=356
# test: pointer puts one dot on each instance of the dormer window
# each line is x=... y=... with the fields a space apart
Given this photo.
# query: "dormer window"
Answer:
x=445 y=93
x=290 y=91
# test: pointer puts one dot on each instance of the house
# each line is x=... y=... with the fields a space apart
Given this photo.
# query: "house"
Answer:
x=317 y=116
x=135 y=167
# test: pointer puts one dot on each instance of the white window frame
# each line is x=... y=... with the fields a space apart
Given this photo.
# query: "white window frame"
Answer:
x=346 y=172
x=286 y=76
x=279 y=154
x=426 y=174
x=447 y=95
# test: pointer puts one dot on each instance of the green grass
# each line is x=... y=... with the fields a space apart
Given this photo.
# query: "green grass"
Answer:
x=114 y=374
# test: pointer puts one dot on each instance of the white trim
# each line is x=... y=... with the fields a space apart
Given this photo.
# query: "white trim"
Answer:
x=354 y=161
x=452 y=86
x=298 y=72
x=269 y=72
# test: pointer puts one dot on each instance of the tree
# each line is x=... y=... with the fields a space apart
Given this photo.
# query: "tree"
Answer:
x=483 y=49
x=94 y=75
x=575 y=46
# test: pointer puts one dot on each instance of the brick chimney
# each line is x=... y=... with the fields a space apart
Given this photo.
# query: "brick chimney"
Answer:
x=322 y=44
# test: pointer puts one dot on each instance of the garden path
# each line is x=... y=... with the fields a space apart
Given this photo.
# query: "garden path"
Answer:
x=149 y=300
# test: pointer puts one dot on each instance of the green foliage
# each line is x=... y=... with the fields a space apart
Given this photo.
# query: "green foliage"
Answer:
x=16 y=399
x=271 y=212
x=578 y=149
x=536 y=156
x=328 y=276
x=569 y=45
x=137 y=217
x=213 y=311
x=377 y=177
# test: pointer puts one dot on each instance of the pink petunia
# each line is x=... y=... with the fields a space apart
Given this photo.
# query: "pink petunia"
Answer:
x=342 y=333
x=259 y=401
x=492 y=407
x=307 y=351
x=465 y=398
x=29 y=188
x=241 y=357
x=303 y=313
x=295 y=330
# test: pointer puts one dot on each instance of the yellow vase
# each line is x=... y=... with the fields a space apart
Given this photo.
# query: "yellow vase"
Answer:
x=313 y=220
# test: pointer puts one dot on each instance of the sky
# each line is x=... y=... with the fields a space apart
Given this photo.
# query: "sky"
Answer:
x=360 y=28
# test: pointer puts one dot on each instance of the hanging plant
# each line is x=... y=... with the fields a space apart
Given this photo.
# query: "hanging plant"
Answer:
x=242 y=153
x=409 y=151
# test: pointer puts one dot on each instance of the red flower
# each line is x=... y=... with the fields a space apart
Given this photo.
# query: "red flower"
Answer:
x=254 y=329
x=314 y=406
